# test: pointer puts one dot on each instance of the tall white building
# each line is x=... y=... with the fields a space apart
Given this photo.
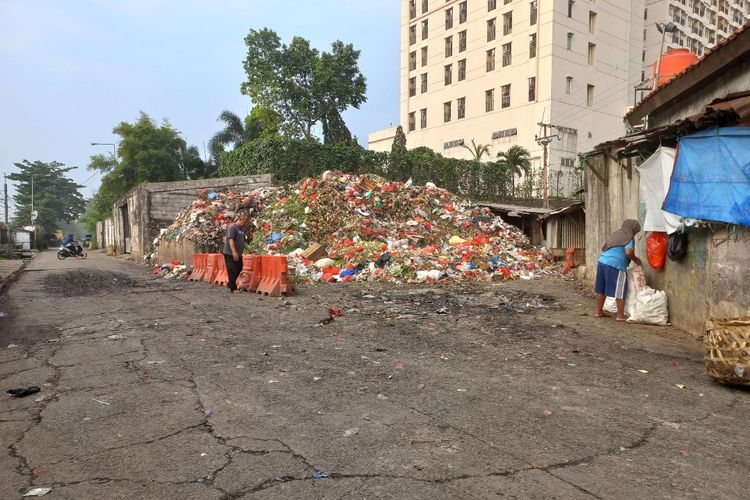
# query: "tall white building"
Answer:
x=700 y=24
x=492 y=70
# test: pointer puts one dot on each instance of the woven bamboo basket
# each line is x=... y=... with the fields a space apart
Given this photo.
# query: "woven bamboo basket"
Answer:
x=728 y=350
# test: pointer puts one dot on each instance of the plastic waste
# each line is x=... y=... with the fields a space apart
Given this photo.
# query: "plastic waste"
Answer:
x=651 y=307
x=23 y=392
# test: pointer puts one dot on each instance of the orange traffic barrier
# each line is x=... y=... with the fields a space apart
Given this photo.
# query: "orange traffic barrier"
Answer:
x=200 y=261
x=274 y=276
x=212 y=268
x=250 y=275
x=222 y=275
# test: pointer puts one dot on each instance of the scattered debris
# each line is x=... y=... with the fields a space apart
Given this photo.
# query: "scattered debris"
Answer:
x=321 y=475
x=115 y=337
x=643 y=371
x=351 y=432
x=105 y=403
x=23 y=392
x=37 y=492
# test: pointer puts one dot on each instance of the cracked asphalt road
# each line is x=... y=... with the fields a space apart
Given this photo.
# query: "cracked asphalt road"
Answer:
x=161 y=389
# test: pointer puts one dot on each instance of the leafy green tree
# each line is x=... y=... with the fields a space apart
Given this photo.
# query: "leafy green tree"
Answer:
x=516 y=161
x=147 y=153
x=56 y=197
x=304 y=86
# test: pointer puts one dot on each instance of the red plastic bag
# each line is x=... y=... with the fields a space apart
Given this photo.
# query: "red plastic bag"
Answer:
x=656 y=249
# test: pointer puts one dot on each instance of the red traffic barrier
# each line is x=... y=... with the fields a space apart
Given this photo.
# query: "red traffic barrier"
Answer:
x=222 y=275
x=200 y=261
x=250 y=275
x=212 y=268
x=274 y=280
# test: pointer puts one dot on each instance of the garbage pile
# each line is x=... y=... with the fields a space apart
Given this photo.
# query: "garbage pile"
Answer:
x=344 y=227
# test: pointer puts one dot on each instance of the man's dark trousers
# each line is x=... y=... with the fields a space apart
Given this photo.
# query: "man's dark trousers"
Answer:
x=233 y=270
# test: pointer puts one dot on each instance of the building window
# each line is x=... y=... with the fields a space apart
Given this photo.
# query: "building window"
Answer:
x=446 y=112
x=644 y=35
x=532 y=89
x=424 y=56
x=412 y=86
x=462 y=13
x=645 y=14
x=507 y=54
x=508 y=23
x=506 y=2
x=423 y=118
x=505 y=96
x=412 y=34
x=569 y=45
x=461 y=105
x=590 y=96
x=567 y=162
x=462 y=41
x=491 y=60
x=568 y=84
x=532 y=13
x=449 y=46
x=570 y=7
x=462 y=70
x=423 y=83
x=449 y=18
x=592 y=22
x=643 y=56
x=425 y=6
x=448 y=74
x=491 y=30
x=425 y=29
x=489 y=100
x=532 y=46
x=491 y=5
x=412 y=60
x=592 y=53
x=412 y=121
x=412 y=9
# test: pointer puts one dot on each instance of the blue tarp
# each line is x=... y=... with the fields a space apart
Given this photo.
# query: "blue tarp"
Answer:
x=711 y=177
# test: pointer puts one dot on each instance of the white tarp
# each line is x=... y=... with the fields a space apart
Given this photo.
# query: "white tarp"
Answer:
x=655 y=174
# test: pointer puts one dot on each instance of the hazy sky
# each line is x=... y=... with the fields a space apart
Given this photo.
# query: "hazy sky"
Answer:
x=71 y=70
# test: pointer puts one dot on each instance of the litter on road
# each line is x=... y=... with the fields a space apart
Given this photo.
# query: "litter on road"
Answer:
x=24 y=391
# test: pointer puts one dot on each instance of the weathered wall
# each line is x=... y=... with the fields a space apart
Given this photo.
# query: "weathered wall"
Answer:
x=181 y=249
x=153 y=206
x=710 y=282
x=109 y=235
x=100 y=236
x=608 y=206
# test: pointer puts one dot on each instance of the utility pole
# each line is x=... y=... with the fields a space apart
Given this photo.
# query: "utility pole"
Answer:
x=545 y=141
x=5 y=198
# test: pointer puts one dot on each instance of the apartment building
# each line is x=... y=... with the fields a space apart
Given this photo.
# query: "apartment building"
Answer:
x=492 y=70
x=700 y=24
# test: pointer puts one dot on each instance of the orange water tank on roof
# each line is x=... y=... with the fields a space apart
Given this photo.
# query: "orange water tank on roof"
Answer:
x=673 y=63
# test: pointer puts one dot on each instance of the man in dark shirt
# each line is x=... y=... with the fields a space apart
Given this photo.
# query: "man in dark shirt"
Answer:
x=234 y=244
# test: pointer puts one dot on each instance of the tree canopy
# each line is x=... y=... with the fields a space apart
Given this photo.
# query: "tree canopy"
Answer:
x=56 y=197
x=304 y=86
x=147 y=153
x=261 y=123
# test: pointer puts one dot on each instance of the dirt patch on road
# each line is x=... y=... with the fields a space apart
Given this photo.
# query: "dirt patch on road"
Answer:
x=87 y=282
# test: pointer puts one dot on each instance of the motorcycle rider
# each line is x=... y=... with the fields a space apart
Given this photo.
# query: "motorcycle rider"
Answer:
x=69 y=243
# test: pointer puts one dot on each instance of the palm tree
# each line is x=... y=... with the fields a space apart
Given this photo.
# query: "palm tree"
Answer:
x=234 y=134
x=516 y=160
x=477 y=150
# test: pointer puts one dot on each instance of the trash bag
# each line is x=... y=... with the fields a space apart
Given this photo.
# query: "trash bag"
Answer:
x=636 y=283
x=656 y=249
x=678 y=243
x=651 y=307
x=610 y=305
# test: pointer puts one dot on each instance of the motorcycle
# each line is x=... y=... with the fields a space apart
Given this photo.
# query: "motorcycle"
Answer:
x=64 y=252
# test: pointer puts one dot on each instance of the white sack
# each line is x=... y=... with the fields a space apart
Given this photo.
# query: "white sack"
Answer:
x=651 y=307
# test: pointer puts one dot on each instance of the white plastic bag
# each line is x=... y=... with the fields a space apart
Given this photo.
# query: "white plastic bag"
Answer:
x=636 y=283
x=610 y=305
x=651 y=307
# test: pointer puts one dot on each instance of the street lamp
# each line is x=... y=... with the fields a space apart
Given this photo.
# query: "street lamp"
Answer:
x=114 y=147
x=663 y=28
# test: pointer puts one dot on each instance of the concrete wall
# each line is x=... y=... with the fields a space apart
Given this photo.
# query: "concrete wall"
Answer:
x=181 y=249
x=608 y=206
x=710 y=282
x=153 y=206
x=109 y=235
